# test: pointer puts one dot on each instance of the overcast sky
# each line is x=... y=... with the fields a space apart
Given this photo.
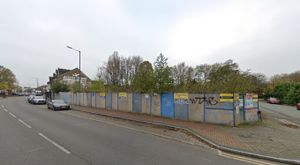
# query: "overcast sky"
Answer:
x=261 y=35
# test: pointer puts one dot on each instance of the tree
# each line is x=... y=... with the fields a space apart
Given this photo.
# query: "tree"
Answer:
x=59 y=87
x=183 y=76
x=118 y=72
x=76 y=87
x=96 y=86
x=202 y=73
x=129 y=68
x=286 y=92
x=7 y=79
x=144 y=79
x=227 y=77
x=292 y=97
x=259 y=82
x=162 y=74
x=218 y=77
x=113 y=67
x=179 y=73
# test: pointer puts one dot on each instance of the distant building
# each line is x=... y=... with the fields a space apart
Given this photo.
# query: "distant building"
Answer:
x=68 y=77
x=43 y=88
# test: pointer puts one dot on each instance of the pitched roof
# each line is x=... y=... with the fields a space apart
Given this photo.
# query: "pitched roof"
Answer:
x=60 y=73
x=71 y=73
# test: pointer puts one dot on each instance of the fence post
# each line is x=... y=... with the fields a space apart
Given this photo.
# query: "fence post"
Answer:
x=233 y=111
x=204 y=109
x=150 y=97
x=244 y=111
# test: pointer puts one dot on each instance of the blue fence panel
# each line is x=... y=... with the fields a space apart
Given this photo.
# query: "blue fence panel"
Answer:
x=137 y=102
x=66 y=97
x=167 y=105
x=108 y=100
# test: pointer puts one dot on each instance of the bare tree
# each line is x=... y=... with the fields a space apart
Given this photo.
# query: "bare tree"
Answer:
x=119 y=70
x=113 y=69
x=179 y=73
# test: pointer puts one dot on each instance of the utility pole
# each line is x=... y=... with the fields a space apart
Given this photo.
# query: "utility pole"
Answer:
x=37 y=81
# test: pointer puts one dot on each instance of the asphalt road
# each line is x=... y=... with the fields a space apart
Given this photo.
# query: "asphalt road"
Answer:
x=282 y=111
x=32 y=135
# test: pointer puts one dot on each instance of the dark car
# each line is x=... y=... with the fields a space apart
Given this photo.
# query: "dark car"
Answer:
x=298 y=106
x=57 y=105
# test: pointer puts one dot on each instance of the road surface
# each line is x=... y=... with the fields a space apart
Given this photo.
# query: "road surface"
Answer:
x=282 y=111
x=31 y=135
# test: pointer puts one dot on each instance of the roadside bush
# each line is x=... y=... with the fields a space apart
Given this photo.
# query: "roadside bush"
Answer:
x=287 y=92
x=59 y=87
x=281 y=91
x=293 y=95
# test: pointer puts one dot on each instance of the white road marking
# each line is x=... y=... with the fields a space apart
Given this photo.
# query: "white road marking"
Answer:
x=11 y=114
x=230 y=156
x=2 y=106
x=5 y=110
x=27 y=125
x=55 y=144
x=243 y=159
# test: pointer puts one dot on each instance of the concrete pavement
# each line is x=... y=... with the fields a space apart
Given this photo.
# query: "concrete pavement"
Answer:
x=40 y=136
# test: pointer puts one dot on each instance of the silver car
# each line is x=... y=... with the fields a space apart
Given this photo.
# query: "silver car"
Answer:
x=38 y=100
x=57 y=105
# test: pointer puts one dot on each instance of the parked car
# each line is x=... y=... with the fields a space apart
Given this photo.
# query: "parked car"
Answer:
x=298 y=106
x=38 y=100
x=273 y=100
x=57 y=105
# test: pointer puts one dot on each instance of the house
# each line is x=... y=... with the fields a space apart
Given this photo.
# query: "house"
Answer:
x=42 y=89
x=68 y=77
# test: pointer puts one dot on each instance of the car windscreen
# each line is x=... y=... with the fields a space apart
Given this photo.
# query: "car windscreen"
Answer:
x=58 y=101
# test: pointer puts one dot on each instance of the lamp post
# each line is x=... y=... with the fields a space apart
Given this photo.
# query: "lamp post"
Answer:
x=79 y=63
x=37 y=82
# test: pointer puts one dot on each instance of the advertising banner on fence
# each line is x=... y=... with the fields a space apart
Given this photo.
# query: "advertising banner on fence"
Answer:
x=255 y=97
x=181 y=98
x=226 y=97
x=249 y=101
x=123 y=94
x=102 y=94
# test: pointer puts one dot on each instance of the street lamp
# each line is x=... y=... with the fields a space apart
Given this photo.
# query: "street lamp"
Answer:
x=79 y=63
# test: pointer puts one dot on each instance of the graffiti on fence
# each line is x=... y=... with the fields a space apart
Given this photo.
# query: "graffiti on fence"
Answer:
x=207 y=100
